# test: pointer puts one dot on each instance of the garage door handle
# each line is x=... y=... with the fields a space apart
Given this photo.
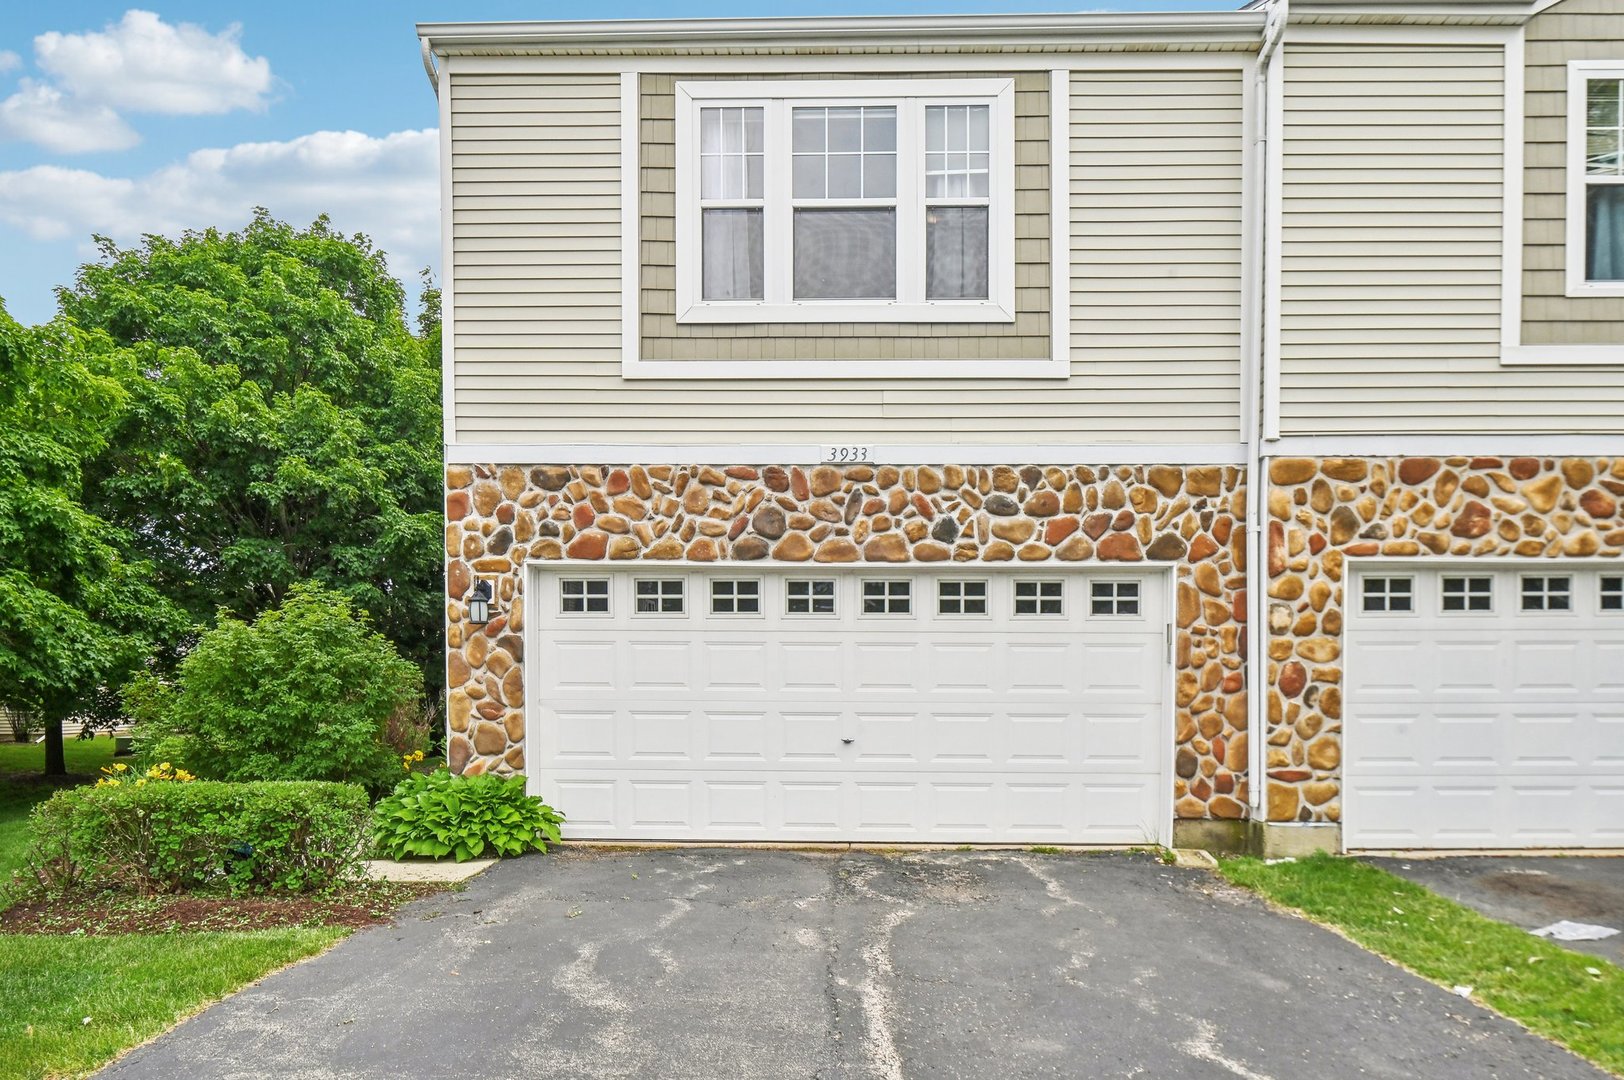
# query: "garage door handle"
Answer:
x=848 y=742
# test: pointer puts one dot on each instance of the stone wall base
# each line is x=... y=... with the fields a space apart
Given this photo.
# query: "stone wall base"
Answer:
x=1275 y=841
x=1210 y=834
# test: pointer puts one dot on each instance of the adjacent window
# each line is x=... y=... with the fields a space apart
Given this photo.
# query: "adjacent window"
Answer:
x=810 y=596
x=961 y=597
x=887 y=597
x=1113 y=598
x=658 y=596
x=1388 y=594
x=583 y=596
x=1596 y=178
x=1547 y=592
x=1468 y=594
x=1612 y=592
x=851 y=200
x=1039 y=597
x=736 y=597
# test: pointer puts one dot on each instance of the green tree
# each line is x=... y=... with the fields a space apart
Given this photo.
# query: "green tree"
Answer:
x=283 y=423
x=75 y=614
x=307 y=691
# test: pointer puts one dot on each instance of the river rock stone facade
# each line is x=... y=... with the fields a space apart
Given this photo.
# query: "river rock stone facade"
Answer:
x=498 y=516
x=1323 y=512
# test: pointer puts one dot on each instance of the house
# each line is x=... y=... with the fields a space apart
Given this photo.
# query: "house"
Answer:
x=1094 y=428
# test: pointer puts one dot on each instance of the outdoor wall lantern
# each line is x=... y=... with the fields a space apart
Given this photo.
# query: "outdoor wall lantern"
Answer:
x=479 y=603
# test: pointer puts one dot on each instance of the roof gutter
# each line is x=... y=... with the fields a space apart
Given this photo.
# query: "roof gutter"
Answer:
x=428 y=65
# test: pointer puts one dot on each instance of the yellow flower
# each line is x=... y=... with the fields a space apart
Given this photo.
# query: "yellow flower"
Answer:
x=121 y=767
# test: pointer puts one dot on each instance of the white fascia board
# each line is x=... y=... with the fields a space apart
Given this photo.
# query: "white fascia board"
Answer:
x=1483 y=444
x=913 y=30
x=1396 y=33
x=885 y=453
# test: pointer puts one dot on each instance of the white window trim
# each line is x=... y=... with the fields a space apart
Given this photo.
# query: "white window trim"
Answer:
x=1579 y=72
x=910 y=95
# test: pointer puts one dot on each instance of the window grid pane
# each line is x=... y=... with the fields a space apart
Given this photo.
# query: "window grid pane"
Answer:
x=1468 y=594
x=584 y=596
x=1547 y=593
x=887 y=597
x=659 y=596
x=731 y=153
x=1604 y=127
x=958 y=153
x=1114 y=598
x=1389 y=594
x=810 y=596
x=736 y=597
x=1612 y=593
x=844 y=152
x=961 y=598
x=1038 y=597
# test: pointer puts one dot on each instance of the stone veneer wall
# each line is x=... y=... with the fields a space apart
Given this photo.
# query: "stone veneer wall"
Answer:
x=497 y=516
x=1322 y=512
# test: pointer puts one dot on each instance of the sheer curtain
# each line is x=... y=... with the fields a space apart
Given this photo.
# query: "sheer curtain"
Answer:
x=732 y=246
x=1604 y=231
x=956 y=253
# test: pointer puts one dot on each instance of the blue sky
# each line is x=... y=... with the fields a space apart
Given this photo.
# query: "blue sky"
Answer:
x=125 y=120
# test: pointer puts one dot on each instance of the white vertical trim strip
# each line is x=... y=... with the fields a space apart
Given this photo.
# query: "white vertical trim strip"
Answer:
x=1252 y=209
x=631 y=222
x=1274 y=169
x=1511 y=214
x=1060 y=217
x=448 y=279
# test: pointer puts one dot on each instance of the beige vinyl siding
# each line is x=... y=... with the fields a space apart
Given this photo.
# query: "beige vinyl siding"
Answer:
x=1572 y=30
x=1024 y=339
x=1156 y=243
x=1391 y=233
x=536 y=280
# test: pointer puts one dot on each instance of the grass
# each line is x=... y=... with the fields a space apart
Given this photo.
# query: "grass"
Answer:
x=1548 y=989
x=131 y=988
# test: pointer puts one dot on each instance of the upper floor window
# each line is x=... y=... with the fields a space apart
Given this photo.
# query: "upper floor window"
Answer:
x=1596 y=178
x=846 y=201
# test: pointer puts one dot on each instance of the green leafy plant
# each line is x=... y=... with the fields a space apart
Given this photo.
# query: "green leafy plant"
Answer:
x=198 y=836
x=437 y=814
x=308 y=691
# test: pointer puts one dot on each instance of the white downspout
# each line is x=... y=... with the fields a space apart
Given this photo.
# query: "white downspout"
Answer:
x=1260 y=423
x=428 y=66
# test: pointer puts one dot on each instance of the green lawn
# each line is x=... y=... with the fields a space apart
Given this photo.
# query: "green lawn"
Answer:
x=1530 y=980
x=131 y=987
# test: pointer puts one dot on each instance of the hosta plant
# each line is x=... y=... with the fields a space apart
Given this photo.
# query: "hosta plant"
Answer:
x=435 y=815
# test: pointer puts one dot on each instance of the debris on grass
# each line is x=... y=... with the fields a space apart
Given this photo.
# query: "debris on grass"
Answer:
x=1574 y=931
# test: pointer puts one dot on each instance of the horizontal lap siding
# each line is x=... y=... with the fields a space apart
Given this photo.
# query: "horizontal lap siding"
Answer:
x=1390 y=261
x=1156 y=245
x=536 y=278
x=1573 y=30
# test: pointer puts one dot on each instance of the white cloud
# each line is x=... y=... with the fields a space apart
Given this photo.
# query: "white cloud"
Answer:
x=386 y=187
x=9 y=61
x=143 y=64
x=42 y=114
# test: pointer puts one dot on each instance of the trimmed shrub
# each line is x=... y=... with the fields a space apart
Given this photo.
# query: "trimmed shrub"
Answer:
x=437 y=814
x=306 y=692
x=200 y=836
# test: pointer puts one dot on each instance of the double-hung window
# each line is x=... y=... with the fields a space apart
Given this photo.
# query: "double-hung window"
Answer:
x=856 y=200
x=1595 y=178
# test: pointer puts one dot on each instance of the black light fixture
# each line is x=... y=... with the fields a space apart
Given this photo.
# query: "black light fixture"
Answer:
x=479 y=603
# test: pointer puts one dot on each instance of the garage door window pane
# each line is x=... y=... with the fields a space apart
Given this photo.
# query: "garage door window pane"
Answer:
x=961 y=597
x=1389 y=594
x=584 y=596
x=1612 y=594
x=1468 y=594
x=1547 y=593
x=1114 y=598
x=887 y=597
x=735 y=598
x=815 y=596
x=659 y=596
x=1038 y=597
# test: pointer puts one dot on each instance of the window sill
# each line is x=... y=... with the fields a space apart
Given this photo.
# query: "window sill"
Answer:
x=1048 y=368
x=1577 y=290
x=972 y=311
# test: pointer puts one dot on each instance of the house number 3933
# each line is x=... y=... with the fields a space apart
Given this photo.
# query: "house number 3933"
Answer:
x=844 y=455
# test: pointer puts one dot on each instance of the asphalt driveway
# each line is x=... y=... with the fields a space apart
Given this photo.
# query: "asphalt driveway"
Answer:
x=1530 y=891
x=721 y=963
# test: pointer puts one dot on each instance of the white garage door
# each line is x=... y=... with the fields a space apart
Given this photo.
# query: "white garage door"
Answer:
x=825 y=705
x=1485 y=707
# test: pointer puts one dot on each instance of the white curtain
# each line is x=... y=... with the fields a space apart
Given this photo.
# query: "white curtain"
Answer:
x=956 y=253
x=731 y=245
x=1604 y=257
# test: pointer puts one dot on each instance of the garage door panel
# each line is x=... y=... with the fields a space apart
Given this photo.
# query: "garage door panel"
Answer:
x=892 y=728
x=1499 y=728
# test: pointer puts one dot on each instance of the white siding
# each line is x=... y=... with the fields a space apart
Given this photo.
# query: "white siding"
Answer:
x=536 y=279
x=1390 y=291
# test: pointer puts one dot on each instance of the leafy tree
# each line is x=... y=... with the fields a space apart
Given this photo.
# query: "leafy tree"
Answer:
x=75 y=614
x=307 y=691
x=283 y=423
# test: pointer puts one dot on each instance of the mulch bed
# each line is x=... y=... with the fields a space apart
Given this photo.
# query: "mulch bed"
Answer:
x=369 y=904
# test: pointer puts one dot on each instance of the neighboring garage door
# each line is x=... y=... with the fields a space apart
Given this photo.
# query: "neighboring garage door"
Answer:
x=1484 y=707
x=902 y=706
